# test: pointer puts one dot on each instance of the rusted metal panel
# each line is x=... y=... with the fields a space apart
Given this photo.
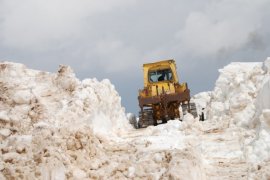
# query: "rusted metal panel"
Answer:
x=179 y=97
x=148 y=100
x=165 y=98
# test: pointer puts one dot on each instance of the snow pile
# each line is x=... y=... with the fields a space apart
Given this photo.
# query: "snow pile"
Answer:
x=241 y=102
x=53 y=126
x=167 y=151
x=260 y=147
x=202 y=101
x=263 y=99
x=58 y=100
x=266 y=66
x=235 y=93
x=259 y=150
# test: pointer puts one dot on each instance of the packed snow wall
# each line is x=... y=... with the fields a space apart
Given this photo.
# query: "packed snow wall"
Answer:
x=241 y=98
x=29 y=97
x=53 y=125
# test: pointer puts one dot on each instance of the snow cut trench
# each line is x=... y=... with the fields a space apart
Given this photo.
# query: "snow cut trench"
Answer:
x=54 y=126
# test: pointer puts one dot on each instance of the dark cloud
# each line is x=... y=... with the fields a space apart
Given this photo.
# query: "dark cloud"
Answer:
x=112 y=39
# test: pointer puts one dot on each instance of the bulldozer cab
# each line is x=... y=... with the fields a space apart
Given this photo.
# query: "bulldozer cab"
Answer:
x=160 y=72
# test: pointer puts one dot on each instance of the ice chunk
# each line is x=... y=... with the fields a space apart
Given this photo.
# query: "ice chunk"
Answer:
x=5 y=132
x=4 y=116
x=22 y=97
x=266 y=116
x=263 y=98
x=266 y=65
x=78 y=174
x=11 y=157
x=131 y=172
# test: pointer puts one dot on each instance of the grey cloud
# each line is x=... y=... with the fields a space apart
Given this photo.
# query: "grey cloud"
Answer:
x=40 y=24
x=222 y=26
x=256 y=41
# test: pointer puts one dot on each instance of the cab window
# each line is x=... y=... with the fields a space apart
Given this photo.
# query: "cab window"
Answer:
x=160 y=75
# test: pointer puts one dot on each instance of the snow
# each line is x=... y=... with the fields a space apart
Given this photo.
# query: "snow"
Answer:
x=3 y=116
x=5 y=132
x=78 y=174
x=54 y=126
x=263 y=99
x=266 y=65
x=22 y=97
x=47 y=120
x=239 y=104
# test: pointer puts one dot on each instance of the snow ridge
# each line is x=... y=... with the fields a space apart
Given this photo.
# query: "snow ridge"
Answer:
x=53 y=126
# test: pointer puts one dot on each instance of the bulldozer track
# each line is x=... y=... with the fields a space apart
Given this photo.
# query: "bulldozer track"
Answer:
x=146 y=118
x=192 y=110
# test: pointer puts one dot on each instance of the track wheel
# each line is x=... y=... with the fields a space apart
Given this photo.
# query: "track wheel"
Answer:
x=146 y=118
x=192 y=109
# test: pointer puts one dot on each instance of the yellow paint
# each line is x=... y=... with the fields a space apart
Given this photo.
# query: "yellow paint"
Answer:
x=166 y=64
x=157 y=88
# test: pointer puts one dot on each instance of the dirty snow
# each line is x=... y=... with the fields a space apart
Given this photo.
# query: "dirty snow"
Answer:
x=54 y=126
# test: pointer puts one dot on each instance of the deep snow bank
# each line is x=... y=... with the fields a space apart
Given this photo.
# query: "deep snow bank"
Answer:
x=47 y=122
x=260 y=148
x=29 y=97
x=241 y=99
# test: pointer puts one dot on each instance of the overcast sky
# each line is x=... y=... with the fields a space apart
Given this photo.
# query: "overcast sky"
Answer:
x=113 y=38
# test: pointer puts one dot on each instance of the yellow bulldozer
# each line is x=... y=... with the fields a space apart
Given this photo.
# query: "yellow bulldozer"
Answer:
x=162 y=95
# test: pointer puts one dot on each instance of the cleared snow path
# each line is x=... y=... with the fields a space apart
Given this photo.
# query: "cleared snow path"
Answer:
x=54 y=126
x=221 y=149
x=217 y=153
